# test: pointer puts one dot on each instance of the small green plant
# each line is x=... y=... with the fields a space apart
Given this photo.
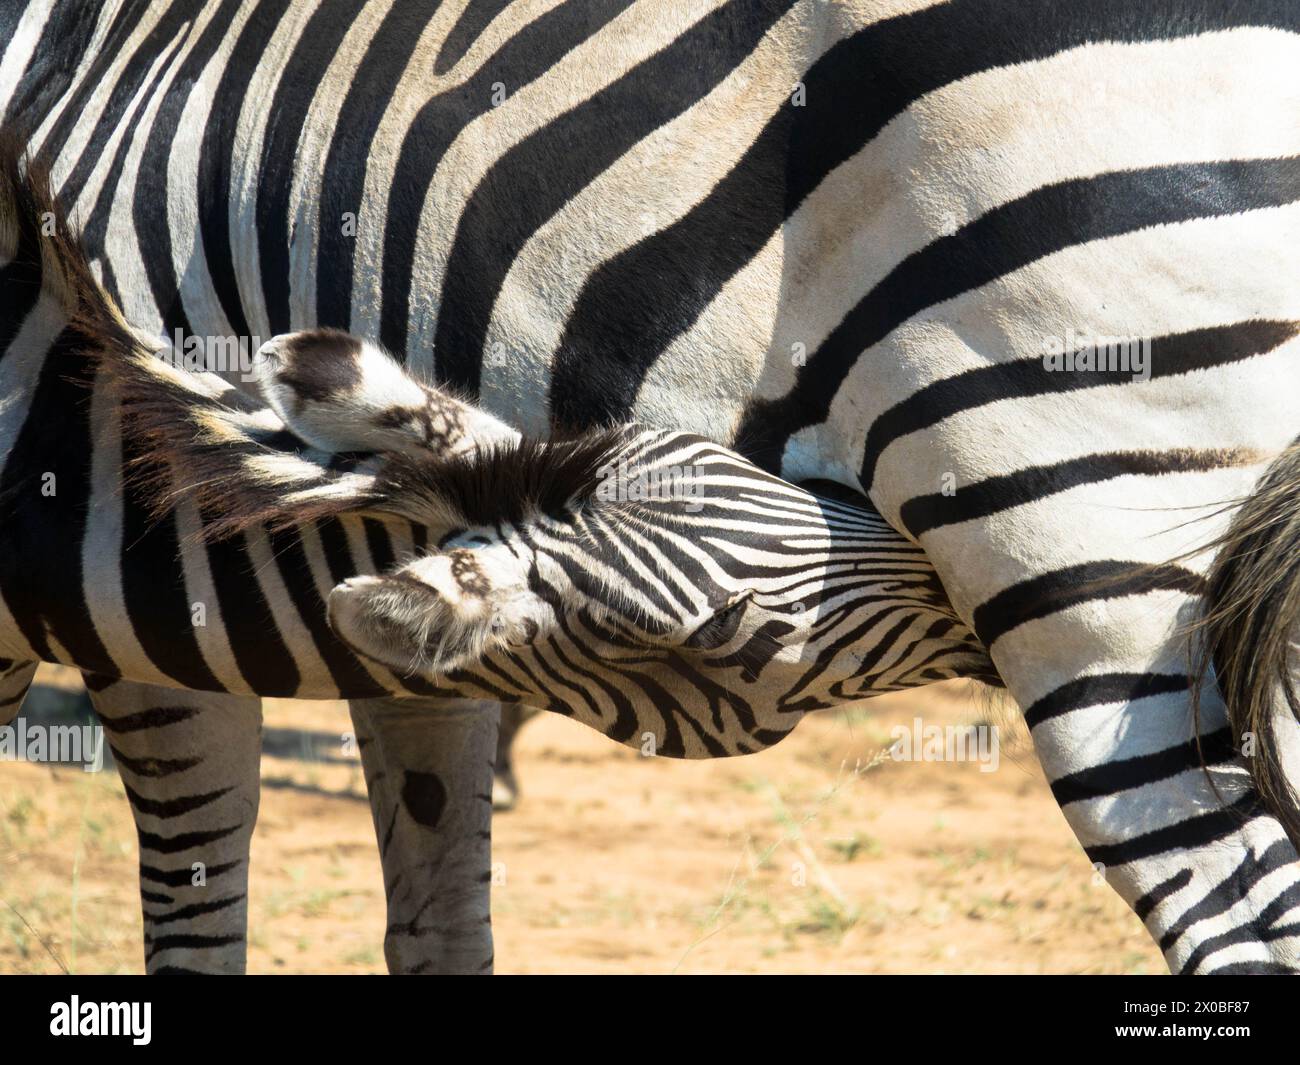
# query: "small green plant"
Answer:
x=851 y=848
x=20 y=813
x=827 y=916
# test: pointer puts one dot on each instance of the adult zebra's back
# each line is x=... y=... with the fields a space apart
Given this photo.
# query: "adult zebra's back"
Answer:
x=850 y=232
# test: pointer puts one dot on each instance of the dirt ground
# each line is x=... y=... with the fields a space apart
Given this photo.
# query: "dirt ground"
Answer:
x=787 y=861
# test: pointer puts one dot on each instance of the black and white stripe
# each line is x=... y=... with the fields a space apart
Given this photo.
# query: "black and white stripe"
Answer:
x=177 y=641
x=799 y=601
x=867 y=280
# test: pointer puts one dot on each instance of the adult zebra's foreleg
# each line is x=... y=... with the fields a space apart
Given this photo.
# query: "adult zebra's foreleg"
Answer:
x=429 y=773
x=15 y=679
x=190 y=764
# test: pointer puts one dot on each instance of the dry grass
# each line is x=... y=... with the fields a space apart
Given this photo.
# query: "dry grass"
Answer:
x=788 y=861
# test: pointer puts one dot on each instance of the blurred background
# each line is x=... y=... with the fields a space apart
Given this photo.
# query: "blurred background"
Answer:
x=818 y=855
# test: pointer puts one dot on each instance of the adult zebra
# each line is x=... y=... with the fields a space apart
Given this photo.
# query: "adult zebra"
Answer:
x=869 y=219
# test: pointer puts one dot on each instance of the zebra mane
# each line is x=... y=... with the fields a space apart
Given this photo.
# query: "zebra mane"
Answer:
x=246 y=475
x=509 y=482
x=42 y=250
x=246 y=470
x=192 y=437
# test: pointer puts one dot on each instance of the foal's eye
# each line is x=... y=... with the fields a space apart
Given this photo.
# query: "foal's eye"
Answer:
x=722 y=626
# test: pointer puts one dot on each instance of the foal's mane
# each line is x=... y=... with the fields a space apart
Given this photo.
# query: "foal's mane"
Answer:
x=43 y=253
x=507 y=483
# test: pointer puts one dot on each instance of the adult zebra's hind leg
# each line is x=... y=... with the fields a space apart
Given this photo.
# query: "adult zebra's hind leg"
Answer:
x=428 y=766
x=190 y=764
x=505 y=785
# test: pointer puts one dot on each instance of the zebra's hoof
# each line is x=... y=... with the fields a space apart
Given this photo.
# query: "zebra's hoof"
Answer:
x=505 y=793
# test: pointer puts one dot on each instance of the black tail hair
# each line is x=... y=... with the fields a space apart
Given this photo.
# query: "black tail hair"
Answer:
x=1250 y=619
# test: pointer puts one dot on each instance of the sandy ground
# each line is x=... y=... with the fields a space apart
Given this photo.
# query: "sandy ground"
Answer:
x=787 y=861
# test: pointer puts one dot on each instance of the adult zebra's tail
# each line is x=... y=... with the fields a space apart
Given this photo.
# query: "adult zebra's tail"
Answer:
x=1250 y=621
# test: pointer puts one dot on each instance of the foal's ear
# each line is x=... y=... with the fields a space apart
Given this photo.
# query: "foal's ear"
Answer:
x=341 y=393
